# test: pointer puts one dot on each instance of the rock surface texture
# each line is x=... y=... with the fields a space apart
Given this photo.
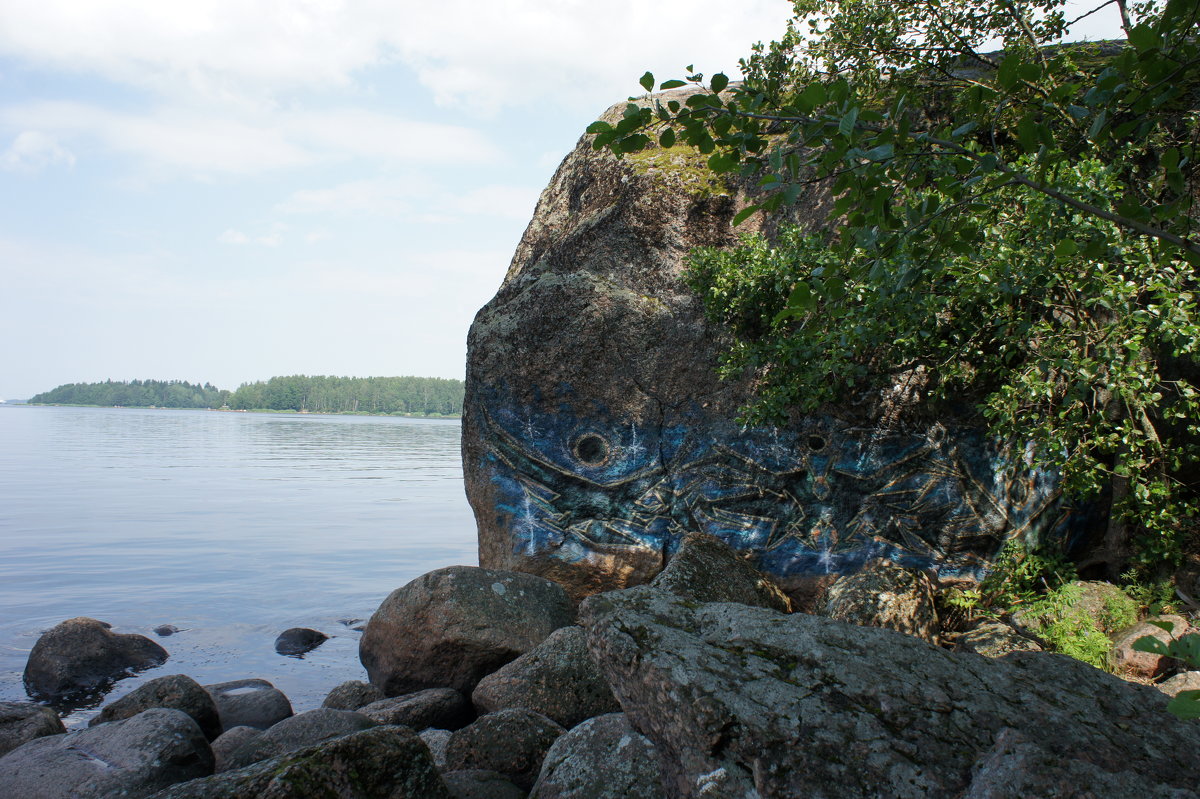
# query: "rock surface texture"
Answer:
x=21 y=722
x=131 y=758
x=512 y=742
x=744 y=701
x=379 y=763
x=175 y=691
x=596 y=433
x=82 y=655
x=451 y=627
x=602 y=758
x=249 y=703
x=557 y=678
x=885 y=595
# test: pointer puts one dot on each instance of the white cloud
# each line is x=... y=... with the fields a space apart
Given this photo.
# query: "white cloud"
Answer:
x=32 y=151
x=199 y=143
x=272 y=238
x=483 y=56
x=414 y=197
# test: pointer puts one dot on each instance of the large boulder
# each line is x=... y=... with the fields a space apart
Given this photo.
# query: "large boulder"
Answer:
x=379 y=763
x=249 y=703
x=21 y=722
x=176 y=691
x=452 y=626
x=557 y=678
x=596 y=433
x=82 y=656
x=602 y=758
x=742 y=701
x=131 y=758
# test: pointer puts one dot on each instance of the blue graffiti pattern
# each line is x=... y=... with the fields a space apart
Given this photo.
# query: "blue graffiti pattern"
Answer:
x=820 y=500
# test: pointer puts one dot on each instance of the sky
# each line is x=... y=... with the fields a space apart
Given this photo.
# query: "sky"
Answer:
x=226 y=190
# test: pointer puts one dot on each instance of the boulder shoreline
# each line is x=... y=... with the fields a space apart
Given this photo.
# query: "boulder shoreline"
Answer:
x=702 y=682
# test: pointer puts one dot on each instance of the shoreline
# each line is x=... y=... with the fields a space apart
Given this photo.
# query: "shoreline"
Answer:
x=244 y=410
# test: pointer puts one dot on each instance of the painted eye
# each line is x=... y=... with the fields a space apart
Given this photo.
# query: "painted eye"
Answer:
x=816 y=443
x=590 y=449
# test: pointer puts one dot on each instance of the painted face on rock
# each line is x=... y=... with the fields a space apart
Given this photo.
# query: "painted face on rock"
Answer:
x=818 y=500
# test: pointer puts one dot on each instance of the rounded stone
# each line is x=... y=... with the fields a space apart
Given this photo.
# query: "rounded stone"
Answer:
x=351 y=695
x=299 y=640
x=81 y=656
x=21 y=722
x=451 y=627
x=173 y=691
x=249 y=703
x=602 y=758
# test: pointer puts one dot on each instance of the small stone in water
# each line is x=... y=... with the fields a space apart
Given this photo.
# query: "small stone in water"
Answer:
x=166 y=629
x=298 y=640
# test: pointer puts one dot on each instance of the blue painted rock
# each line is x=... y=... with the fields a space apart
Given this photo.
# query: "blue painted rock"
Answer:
x=596 y=433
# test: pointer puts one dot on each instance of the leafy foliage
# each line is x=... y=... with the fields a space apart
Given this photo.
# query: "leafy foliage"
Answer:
x=1186 y=704
x=1014 y=228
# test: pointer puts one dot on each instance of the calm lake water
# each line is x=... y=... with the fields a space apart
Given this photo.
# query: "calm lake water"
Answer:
x=231 y=526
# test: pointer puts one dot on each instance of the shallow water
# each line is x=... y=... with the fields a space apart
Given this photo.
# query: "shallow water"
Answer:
x=230 y=526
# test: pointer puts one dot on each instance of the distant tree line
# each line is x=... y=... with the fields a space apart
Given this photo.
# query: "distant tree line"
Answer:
x=136 y=393
x=316 y=394
x=321 y=394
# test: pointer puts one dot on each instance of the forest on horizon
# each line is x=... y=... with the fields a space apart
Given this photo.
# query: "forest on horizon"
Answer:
x=425 y=396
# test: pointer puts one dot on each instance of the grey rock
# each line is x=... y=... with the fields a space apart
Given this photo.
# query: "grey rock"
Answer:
x=351 y=695
x=174 y=691
x=299 y=640
x=451 y=627
x=131 y=758
x=81 y=656
x=602 y=758
x=1184 y=681
x=706 y=569
x=21 y=722
x=230 y=742
x=481 y=784
x=740 y=700
x=994 y=639
x=557 y=678
x=249 y=703
x=596 y=431
x=434 y=707
x=166 y=630
x=437 y=740
x=379 y=763
x=884 y=594
x=512 y=742
x=294 y=733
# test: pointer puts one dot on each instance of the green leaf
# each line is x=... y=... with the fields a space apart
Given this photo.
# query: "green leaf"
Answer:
x=666 y=139
x=719 y=82
x=963 y=130
x=672 y=84
x=745 y=213
x=647 y=81
x=599 y=126
x=1066 y=248
x=1185 y=705
x=1148 y=643
x=801 y=298
x=848 y=121
x=1008 y=74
